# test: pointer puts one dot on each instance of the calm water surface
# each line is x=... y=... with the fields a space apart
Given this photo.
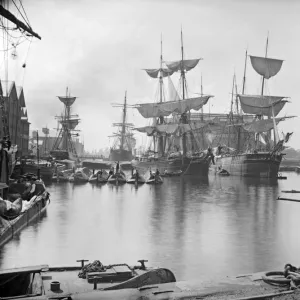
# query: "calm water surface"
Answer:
x=193 y=226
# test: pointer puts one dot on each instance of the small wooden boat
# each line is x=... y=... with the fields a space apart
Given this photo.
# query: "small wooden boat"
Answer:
x=62 y=176
x=81 y=175
x=154 y=179
x=99 y=177
x=136 y=179
x=223 y=172
x=171 y=174
x=117 y=178
x=90 y=281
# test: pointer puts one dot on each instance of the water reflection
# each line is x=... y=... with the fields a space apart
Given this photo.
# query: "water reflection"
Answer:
x=194 y=226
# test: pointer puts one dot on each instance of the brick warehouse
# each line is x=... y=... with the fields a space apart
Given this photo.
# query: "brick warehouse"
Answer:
x=17 y=116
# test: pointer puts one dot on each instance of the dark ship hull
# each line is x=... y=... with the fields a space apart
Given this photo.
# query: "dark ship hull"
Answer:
x=120 y=155
x=188 y=166
x=259 y=165
x=63 y=154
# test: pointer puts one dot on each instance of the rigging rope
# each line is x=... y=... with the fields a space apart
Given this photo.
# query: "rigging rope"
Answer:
x=21 y=13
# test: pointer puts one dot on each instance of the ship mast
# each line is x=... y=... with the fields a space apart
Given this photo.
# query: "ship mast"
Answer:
x=231 y=111
x=263 y=78
x=160 y=76
x=161 y=140
x=123 y=123
x=68 y=124
x=262 y=93
x=182 y=68
x=239 y=112
x=244 y=78
x=122 y=136
x=183 y=116
x=201 y=96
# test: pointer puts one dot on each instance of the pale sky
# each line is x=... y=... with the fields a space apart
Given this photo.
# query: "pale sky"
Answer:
x=97 y=48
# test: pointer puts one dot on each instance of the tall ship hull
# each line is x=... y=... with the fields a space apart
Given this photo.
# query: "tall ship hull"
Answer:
x=259 y=165
x=120 y=155
x=188 y=166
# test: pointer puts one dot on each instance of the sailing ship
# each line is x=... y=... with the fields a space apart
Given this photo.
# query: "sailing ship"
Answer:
x=172 y=131
x=262 y=156
x=63 y=147
x=124 y=140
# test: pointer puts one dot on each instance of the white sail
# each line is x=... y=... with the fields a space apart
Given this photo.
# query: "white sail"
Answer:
x=173 y=95
x=261 y=105
x=266 y=67
x=155 y=72
x=276 y=135
x=260 y=126
x=183 y=65
x=155 y=110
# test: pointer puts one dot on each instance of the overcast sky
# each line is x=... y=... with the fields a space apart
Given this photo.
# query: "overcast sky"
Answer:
x=97 y=48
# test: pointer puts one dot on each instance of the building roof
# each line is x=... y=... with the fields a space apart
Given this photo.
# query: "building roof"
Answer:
x=7 y=88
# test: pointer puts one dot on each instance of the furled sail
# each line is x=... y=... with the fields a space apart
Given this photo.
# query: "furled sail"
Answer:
x=261 y=105
x=191 y=127
x=146 y=129
x=68 y=101
x=260 y=126
x=155 y=110
x=155 y=72
x=266 y=67
x=183 y=65
x=170 y=128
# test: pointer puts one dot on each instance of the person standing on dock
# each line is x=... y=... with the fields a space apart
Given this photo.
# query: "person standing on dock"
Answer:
x=118 y=167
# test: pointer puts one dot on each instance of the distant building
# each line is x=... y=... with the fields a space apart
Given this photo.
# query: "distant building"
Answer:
x=17 y=116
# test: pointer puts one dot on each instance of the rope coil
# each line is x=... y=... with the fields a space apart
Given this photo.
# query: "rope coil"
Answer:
x=97 y=266
x=289 y=277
